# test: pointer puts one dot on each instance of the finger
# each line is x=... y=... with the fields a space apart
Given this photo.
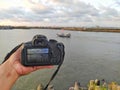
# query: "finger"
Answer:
x=41 y=67
x=27 y=70
x=17 y=53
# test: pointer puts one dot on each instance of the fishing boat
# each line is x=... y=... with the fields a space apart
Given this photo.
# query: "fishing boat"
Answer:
x=67 y=35
x=63 y=34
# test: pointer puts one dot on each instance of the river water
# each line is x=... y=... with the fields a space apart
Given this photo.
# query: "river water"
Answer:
x=89 y=55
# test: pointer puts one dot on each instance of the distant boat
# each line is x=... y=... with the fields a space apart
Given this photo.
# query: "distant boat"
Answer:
x=67 y=35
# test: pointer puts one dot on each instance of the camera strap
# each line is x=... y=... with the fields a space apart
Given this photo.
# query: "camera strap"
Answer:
x=11 y=52
x=55 y=73
x=53 y=76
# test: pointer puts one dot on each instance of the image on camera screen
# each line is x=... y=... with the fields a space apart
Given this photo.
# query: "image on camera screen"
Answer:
x=37 y=55
x=37 y=51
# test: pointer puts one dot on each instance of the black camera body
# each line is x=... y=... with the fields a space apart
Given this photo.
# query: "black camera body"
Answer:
x=41 y=52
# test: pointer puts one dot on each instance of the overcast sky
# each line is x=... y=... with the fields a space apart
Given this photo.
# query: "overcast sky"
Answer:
x=105 y=13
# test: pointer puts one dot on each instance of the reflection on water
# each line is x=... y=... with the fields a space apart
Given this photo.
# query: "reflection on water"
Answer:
x=89 y=55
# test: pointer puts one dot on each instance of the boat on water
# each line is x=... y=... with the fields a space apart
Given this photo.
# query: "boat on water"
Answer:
x=64 y=35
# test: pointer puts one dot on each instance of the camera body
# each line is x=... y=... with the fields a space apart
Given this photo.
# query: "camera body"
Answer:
x=41 y=52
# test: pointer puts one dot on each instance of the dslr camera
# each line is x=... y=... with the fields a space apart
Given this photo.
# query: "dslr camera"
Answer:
x=41 y=51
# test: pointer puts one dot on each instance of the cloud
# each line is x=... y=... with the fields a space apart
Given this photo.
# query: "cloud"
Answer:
x=61 y=12
x=118 y=2
x=66 y=10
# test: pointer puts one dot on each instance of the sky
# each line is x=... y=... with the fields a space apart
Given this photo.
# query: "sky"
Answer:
x=82 y=13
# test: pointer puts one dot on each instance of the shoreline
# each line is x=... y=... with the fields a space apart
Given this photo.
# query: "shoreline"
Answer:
x=85 y=29
x=115 y=30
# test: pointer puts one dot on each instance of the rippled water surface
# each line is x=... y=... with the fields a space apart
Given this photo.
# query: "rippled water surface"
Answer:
x=89 y=55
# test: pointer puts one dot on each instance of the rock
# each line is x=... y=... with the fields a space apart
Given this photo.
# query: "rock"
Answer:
x=40 y=87
x=77 y=86
x=50 y=87
x=71 y=88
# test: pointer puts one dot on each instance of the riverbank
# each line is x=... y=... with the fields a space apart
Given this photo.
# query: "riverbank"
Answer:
x=96 y=29
x=86 y=29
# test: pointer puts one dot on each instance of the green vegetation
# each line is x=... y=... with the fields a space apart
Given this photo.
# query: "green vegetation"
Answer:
x=96 y=85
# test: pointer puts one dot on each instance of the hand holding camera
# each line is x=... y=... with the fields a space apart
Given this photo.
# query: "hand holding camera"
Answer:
x=40 y=53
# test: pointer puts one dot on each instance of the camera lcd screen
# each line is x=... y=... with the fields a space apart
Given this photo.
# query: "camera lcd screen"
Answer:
x=37 y=51
x=37 y=55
